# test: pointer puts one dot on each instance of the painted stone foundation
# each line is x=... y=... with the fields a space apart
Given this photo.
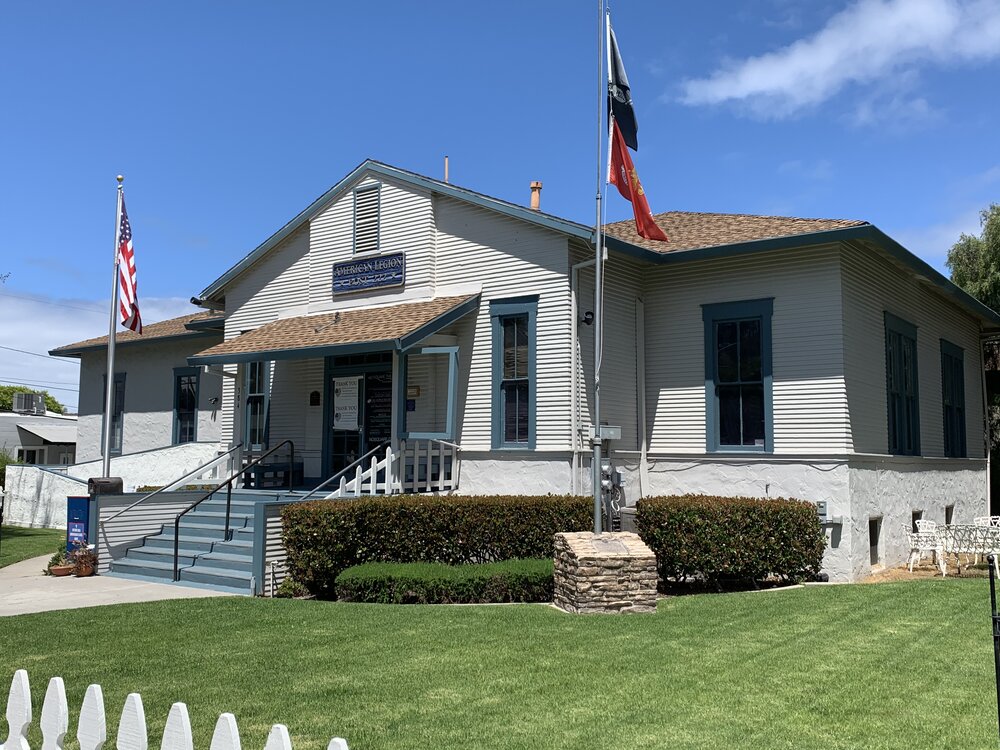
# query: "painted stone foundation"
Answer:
x=606 y=573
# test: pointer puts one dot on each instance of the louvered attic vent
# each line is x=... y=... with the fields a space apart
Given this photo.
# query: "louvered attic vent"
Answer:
x=366 y=207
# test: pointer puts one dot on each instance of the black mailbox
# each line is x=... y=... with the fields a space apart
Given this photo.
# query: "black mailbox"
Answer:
x=104 y=486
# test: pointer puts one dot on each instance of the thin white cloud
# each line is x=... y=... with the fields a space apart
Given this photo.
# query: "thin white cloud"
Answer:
x=869 y=41
x=35 y=323
x=932 y=242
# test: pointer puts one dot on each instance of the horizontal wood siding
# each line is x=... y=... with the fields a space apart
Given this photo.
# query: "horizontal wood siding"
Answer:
x=132 y=527
x=291 y=417
x=873 y=285
x=810 y=400
x=429 y=373
x=509 y=259
x=623 y=283
x=405 y=225
x=274 y=549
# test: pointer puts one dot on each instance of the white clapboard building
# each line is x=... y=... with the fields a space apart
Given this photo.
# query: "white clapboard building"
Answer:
x=749 y=355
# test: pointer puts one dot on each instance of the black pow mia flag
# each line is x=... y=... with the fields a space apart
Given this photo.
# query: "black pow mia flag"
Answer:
x=619 y=96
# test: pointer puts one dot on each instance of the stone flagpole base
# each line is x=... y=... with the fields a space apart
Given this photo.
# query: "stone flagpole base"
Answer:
x=609 y=573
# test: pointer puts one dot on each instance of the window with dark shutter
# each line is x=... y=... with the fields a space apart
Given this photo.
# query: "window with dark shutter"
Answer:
x=953 y=399
x=902 y=396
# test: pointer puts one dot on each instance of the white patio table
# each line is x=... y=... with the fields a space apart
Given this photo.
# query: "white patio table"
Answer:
x=968 y=539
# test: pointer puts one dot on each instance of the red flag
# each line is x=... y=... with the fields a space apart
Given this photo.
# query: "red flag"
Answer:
x=128 y=295
x=624 y=176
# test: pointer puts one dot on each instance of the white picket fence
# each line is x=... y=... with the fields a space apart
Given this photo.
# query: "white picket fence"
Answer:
x=92 y=730
x=418 y=466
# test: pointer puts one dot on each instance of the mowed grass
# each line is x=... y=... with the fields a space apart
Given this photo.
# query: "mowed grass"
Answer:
x=18 y=544
x=889 y=666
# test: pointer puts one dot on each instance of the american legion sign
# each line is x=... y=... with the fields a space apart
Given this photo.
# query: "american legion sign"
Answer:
x=369 y=273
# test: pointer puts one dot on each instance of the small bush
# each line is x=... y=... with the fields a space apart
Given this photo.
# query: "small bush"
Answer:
x=324 y=538
x=435 y=583
x=728 y=537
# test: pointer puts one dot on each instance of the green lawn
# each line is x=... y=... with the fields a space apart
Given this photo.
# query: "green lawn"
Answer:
x=890 y=666
x=18 y=544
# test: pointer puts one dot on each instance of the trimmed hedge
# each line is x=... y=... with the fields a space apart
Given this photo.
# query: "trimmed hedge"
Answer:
x=325 y=537
x=435 y=583
x=728 y=537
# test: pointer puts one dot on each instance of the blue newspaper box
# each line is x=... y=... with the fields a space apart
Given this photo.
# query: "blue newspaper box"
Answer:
x=77 y=521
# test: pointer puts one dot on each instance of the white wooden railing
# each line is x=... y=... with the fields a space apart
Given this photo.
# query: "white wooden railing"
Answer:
x=418 y=466
x=92 y=730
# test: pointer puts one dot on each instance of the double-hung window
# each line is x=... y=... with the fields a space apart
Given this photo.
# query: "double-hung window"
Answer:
x=902 y=397
x=185 y=404
x=514 y=384
x=366 y=219
x=738 y=378
x=953 y=399
x=255 y=417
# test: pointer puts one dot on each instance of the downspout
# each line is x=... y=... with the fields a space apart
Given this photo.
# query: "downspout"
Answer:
x=574 y=377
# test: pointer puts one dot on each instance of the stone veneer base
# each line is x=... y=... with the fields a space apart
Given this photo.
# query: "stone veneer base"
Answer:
x=605 y=573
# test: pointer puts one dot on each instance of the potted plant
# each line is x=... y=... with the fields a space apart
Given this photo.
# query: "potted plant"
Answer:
x=60 y=563
x=84 y=558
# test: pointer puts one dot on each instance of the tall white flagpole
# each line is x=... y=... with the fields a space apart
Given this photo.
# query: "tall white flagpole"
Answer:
x=109 y=392
x=602 y=98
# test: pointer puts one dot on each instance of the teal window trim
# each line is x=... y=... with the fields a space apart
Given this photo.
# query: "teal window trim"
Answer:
x=377 y=189
x=452 y=412
x=266 y=393
x=722 y=312
x=180 y=372
x=499 y=310
x=116 y=445
x=902 y=402
x=953 y=399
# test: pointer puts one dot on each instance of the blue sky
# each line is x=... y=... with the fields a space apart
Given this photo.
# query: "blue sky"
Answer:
x=228 y=118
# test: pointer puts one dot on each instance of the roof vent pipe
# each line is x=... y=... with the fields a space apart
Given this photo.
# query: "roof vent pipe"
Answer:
x=536 y=195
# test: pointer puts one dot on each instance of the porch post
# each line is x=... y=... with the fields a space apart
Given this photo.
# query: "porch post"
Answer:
x=398 y=399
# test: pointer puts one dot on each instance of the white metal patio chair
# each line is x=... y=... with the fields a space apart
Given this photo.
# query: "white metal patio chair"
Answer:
x=992 y=522
x=926 y=541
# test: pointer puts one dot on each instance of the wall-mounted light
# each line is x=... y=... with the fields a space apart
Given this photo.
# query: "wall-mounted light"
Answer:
x=588 y=318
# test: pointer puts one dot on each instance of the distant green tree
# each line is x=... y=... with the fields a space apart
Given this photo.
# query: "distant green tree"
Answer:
x=975 y=261
x=7 y=398
x=975 y=266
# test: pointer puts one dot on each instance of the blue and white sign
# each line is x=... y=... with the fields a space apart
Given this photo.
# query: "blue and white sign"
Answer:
x=369 y=273
x=76 y=532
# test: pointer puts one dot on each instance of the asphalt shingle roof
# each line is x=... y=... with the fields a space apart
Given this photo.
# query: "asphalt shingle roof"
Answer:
x=354 y=326
x=688 y=231
x=164 y=329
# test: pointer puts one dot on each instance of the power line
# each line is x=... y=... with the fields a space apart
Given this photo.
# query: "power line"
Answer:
x=63 y=360
x=31 y=384
x=54 y=304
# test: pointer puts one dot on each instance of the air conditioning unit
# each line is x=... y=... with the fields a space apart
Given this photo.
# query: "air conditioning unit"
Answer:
x=29 y=403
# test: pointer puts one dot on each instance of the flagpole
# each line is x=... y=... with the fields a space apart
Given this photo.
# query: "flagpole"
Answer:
x=602 y=88
x=110 y=380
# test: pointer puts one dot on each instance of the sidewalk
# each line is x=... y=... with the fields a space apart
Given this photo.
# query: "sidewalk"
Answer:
x=23 y=589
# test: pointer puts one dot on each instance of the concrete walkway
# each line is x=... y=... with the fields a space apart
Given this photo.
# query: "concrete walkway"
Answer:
x=23 y=589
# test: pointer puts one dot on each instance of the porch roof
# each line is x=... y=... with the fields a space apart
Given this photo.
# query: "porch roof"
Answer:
x=361 y=329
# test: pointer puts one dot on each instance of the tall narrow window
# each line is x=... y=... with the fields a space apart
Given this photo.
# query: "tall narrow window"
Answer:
x=738 y=377
x=117 y=413
x=256 y=384
x=902 y=398
x=953 y=399
x=366 y=219
x=514 y=372
x=185 y=404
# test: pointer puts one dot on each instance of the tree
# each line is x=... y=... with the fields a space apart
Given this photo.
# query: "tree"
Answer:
x=975 y=261
x=7 y=398
x=975 y=266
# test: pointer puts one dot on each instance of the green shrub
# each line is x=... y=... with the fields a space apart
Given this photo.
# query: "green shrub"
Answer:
x=326 y=537
x=6 y=459
x=728 y=537
x=435 y=583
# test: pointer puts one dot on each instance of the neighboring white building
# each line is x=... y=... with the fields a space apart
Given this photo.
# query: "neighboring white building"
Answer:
x=38 y=439
x=756 y=356
x=160 y=399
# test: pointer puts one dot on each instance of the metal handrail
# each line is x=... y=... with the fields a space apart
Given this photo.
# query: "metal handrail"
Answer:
x=229 y=497
x=343 y=471
x=166 y=487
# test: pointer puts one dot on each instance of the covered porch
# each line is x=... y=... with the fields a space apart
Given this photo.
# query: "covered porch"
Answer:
x=369 y=397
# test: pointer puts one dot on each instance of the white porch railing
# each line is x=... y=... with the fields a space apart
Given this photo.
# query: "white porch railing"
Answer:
x=92 y=730
x=418 y=466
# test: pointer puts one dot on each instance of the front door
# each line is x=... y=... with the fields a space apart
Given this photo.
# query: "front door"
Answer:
x=361 y=415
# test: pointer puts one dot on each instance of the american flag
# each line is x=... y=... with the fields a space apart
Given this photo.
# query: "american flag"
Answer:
x=128 y=302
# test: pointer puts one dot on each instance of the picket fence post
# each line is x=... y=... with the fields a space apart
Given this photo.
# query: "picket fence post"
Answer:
x=92 y=730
